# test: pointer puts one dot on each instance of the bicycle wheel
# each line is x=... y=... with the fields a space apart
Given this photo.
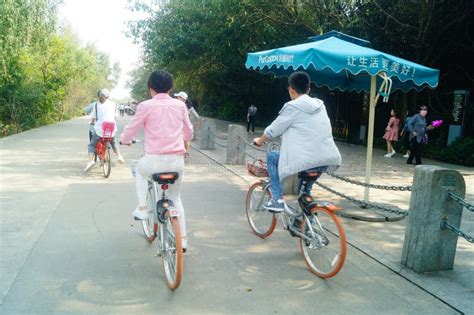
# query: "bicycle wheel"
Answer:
x=150 y=225
x=106 y=167
x=325 y=252
x=172 y=253
x=261 y=220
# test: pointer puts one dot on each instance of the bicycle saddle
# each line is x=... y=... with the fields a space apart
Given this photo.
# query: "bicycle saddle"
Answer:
x=307 y=175
x=165 y=178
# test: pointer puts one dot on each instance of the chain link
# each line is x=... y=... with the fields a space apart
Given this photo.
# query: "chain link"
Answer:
x=461 y=201
x=246 y=153
x=216 y=135
x=446 y=225
x=214 y=140
x=384 y=187
x=364 y=203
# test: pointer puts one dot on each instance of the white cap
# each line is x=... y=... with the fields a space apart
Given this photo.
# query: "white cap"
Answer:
x=104 y=92
x=182 y=94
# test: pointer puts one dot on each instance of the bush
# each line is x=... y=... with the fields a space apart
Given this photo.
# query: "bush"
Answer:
x=461 y=151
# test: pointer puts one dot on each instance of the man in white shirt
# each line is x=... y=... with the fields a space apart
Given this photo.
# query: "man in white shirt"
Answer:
x=103 y=111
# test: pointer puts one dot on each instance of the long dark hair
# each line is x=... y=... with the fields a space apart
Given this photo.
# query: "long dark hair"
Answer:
x=397 y=115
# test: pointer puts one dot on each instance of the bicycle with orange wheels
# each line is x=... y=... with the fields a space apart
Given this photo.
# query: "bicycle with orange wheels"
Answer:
x=163 y=224
x=321 y=236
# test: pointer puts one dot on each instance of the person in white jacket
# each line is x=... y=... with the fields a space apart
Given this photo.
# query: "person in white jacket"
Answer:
x=306 y=144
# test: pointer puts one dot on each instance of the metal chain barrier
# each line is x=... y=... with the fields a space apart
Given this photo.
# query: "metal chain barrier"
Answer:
x=461 y=201
x=355 y=182
x=246 y=152
x=217 y=137
x=446 y=225
x=364 y=203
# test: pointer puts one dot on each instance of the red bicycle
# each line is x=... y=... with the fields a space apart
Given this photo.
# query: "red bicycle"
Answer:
x=102 y=151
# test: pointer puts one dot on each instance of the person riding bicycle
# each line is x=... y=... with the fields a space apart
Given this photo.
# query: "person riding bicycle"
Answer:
x=306 y=140
x=103 y=111
x=166 y=123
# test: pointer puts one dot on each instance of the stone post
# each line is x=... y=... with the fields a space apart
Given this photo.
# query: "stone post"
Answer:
x=208 y=130
x=235 y=146
x=426 y=246
x=290 y=185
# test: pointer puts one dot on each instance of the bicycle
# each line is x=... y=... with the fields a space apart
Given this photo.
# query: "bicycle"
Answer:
x=163 y=223
x=321 y=235
x=102 y=151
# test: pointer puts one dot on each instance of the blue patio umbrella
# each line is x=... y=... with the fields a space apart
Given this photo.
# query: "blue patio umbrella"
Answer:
x=340 y=61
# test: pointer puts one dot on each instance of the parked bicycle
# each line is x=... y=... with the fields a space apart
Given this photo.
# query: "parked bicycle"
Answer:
x=321 y=236
x=102 y=152
x=163 y=223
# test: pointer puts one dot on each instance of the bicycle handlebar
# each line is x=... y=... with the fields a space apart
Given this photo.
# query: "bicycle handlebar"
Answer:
x=133 y=141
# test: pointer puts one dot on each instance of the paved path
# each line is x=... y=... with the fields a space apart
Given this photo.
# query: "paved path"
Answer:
x=384 y=240
x=68 y=245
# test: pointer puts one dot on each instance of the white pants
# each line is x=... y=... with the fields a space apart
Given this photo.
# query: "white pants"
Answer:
x=155 y=163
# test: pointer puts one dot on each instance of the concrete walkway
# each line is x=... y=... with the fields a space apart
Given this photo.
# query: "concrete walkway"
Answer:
x=384 y=240
x=69 y=245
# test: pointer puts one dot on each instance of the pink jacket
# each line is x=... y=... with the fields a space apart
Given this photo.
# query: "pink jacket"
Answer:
x=166 y=124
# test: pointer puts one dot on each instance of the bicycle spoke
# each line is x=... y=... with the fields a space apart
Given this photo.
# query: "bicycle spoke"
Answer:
x=324 y=249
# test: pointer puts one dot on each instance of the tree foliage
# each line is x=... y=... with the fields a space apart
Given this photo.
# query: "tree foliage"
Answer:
x=204 y=44
x=45 y=73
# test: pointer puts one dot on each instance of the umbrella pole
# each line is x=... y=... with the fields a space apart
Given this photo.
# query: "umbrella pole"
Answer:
x=370 y=137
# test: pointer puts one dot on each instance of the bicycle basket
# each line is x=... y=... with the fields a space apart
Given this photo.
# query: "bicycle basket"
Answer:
x=257 y=168
x=108 y=129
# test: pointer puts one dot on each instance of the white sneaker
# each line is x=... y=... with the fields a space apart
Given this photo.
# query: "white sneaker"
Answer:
x=120 y=160
x=89 y=166
x=184 y=243
x=140 y=214
x=393 y=153
x=388 y=155
x=406 y=155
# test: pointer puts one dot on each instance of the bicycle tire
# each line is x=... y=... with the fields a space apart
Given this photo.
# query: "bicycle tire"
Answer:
x=173 y=253
x=318 y=253
x=150 y=225
x=106 y=166
x=261 y=221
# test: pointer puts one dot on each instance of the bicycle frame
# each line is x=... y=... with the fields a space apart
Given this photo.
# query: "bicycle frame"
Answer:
x=292 y=213
x=102 y=145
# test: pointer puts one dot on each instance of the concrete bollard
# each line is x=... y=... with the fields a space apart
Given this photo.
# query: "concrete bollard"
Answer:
x=208 y=130
x=290 y=185
x=235 y=146
x=426 y=246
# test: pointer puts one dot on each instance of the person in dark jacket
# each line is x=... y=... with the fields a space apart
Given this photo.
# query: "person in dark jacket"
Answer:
x=417 y=130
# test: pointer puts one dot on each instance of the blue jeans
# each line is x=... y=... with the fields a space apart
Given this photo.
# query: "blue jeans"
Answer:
x=272 y=165
x=273 y=158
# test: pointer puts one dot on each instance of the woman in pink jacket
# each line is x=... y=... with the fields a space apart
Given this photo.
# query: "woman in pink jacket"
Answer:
x=166 y=123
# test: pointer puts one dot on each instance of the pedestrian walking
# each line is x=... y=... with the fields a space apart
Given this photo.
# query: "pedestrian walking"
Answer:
x=417 y=130
x=251 y=115
x=391 y=132
x=405 y=134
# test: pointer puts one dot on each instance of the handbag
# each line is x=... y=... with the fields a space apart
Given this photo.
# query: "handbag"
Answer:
x=257 y=168
x=425 y=139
